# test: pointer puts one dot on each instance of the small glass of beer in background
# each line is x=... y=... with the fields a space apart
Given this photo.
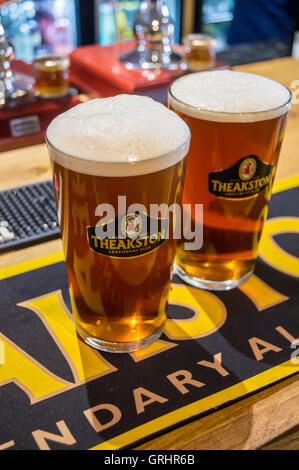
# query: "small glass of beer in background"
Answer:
x=237 y=123
x=51 y=76
x=200 y=51
x=126 y=146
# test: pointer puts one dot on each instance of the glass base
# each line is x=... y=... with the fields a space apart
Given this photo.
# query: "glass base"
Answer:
x=18 y=86
x=118 y=347
x=209 y=285
x=151 y=59
x=51 y=95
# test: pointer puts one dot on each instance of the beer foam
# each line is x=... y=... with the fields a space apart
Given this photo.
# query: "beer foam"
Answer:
x=120 y=136
x=228 y=96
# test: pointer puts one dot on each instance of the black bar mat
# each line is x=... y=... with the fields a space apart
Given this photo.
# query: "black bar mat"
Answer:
x=57 y=393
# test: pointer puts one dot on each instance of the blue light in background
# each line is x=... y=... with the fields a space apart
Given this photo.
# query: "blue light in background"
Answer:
x=126 y=12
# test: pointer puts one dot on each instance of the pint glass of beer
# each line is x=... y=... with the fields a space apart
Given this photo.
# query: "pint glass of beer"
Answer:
x=112 y=160
x=237 y=123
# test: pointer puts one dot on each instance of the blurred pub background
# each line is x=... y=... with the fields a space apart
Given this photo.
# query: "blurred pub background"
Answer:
x=38 y=27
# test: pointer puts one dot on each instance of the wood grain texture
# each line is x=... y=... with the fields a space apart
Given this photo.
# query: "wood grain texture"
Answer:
x=245 y=425
x=256 y=421
x=288 y=441
x=24 y=166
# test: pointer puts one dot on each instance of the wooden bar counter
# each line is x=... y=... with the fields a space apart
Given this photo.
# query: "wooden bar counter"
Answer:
x=268 y=419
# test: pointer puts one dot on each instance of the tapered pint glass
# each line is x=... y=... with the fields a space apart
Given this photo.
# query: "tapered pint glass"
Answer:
x=113 y=159
x=237 y=123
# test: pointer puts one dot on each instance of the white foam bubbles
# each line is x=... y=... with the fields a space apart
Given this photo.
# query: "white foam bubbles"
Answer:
x=229 y=96
x=119 y=136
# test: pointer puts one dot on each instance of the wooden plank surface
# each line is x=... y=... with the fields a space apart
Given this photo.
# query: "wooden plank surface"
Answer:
x=267 y=419
x=288 y=441
x=247 y=424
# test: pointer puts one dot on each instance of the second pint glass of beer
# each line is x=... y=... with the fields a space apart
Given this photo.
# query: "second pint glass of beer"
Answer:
x=113 y=159
x=237 y=123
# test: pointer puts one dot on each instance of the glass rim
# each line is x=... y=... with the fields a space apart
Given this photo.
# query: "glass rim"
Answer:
x=200 y=36
x=82 y=163
x=56 y=59
x=167 y=154
x=232 y=113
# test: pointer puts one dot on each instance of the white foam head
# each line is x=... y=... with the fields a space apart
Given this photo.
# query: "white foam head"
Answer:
x=228 y=96
x=120 y=136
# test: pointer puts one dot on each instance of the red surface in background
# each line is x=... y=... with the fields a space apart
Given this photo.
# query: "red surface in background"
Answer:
x=96 y=69
x=7 y=1
x=45 y=109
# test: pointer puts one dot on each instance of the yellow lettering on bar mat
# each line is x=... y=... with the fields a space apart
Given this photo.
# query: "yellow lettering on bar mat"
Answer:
x=262 y=295
x=85 y=362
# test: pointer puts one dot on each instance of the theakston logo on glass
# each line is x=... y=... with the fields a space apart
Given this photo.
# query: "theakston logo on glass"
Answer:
x=138 y=230
x=129 y=235
x=247 y=177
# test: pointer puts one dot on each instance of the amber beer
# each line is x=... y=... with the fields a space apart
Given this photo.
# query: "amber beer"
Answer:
x=123 y=146
x=51 y=76
x=237 y=122
x=200 y=51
